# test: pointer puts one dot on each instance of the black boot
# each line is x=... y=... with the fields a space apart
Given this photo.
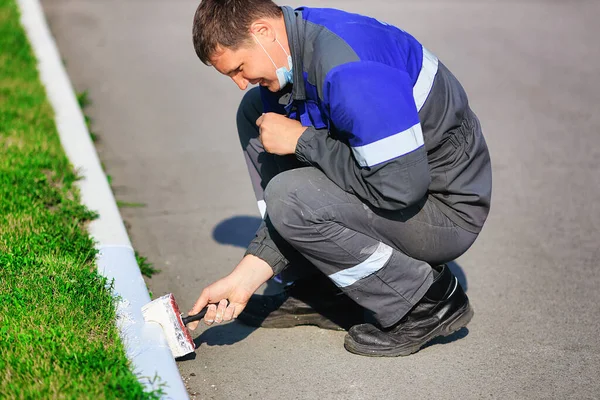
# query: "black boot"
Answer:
x=443 y=310
x=310 y=301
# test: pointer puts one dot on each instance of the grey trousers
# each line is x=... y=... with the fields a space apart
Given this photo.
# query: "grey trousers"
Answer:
x=381 y=259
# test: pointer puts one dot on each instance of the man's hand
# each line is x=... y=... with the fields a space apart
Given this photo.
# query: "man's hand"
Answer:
x=278 y=133
x=232 y=292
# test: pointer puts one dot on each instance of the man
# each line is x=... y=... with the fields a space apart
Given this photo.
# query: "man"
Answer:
x=369 y=167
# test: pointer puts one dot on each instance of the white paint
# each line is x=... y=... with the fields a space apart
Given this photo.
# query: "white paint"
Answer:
x=145 y=344
x=161 y=312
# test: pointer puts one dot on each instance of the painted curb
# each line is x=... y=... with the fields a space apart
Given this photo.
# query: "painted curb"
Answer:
x=145 y=344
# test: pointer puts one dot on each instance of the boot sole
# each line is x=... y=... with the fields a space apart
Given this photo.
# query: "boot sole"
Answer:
x=288 y=321
x=457 y=321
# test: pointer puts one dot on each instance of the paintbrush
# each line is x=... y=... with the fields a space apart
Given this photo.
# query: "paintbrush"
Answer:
x=164 y=311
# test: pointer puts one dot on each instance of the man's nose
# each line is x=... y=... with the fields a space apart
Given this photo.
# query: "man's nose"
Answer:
x=241 y=82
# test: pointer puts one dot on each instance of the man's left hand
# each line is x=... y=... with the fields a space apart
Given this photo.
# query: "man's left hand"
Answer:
x=278 y=133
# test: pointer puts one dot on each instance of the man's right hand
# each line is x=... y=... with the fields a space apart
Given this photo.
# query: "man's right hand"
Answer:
x=228 y=296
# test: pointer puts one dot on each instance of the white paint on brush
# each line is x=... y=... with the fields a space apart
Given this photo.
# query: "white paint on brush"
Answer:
x=161 y=311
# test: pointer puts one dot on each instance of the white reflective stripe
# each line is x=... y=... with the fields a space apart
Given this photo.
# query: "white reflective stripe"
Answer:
x=374 y=263
x=262 y=207
x=455 y=286
x=390 y=147
x=424 y=82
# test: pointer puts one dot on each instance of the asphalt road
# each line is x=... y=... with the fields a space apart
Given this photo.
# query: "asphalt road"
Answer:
x=168 y=140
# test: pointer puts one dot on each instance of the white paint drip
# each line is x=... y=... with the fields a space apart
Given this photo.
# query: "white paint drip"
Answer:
x=124 y=317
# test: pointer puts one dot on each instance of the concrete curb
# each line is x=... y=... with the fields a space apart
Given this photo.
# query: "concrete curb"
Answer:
x=145 y=344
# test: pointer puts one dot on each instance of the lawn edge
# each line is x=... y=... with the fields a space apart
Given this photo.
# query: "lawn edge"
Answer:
x=145 y=344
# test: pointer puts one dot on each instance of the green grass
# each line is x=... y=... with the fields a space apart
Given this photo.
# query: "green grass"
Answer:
x=146 y=267
x=57 y=333
x=84 y=101
x=128 y=204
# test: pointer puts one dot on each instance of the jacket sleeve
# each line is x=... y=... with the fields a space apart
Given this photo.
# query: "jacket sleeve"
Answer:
x=375 y=148
x=265 y=247
x=272 y=248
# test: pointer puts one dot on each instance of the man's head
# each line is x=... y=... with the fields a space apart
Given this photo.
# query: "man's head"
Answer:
x=242 y=39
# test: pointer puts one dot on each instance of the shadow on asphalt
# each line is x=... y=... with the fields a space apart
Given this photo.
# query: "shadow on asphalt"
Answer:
x=239 y=231
x=236 y=231
x=461 y=333
x=187 y=357
x=219 y=335
x=224 y=335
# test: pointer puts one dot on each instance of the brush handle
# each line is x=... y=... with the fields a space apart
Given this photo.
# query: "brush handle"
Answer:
x=195 y=317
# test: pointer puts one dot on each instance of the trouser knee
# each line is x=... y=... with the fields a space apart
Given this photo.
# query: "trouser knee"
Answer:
x=287 y=198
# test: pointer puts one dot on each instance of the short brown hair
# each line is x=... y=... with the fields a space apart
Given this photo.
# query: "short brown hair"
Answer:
x=226 y=23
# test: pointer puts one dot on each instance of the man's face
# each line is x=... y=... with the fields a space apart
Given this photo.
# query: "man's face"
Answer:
x=247 y=65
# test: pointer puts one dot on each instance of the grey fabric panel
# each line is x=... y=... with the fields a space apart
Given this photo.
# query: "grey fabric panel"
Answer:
x=392 y=185
x=310 y=212
x=294 y=26
x=323 y=51
x=263 y=247
x=444 y=108
x=336 y=232
x=459 y=161
x=262 y=167
x=456 y=168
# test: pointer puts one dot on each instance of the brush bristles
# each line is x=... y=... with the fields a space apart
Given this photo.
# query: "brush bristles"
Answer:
x=178 y=314
x=165 y=312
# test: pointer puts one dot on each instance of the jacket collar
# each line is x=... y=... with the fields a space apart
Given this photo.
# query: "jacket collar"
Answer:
x=294 y=27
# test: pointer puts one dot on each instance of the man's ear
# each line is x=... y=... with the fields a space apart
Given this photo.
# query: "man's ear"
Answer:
x=263 y=29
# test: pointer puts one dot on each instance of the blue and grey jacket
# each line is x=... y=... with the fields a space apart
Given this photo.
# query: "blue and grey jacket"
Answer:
x=387 y=121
